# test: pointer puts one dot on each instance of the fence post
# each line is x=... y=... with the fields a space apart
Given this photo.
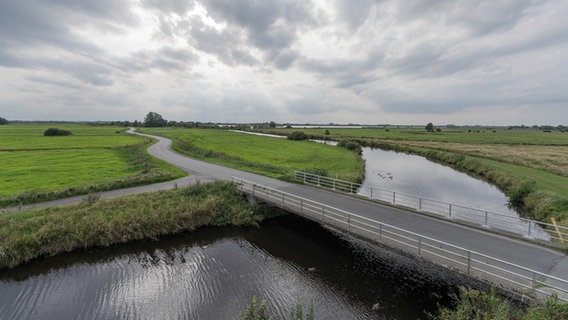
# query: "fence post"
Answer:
x=381 y=232
x=351 y=187
x=371 y=192
x=486 y=223
x=322 y=214
x=266 y=194
x=333 y=184
x=533 y=282
x=349 y=222
x=301 y=206
x=450 y=214
x=419 y=204
x=529 y=233
x=468 y=262
x=419 y=246
x=253 y=190
x=318 y=180
x=394 y=198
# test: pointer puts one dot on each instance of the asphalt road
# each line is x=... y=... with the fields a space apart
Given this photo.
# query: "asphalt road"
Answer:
x=511 y=250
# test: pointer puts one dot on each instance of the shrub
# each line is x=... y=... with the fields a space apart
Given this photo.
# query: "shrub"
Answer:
x=56 y=132
x=298 y=135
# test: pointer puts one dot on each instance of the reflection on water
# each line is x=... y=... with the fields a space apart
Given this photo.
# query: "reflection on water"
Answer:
x=418 y=176
x=213 y=273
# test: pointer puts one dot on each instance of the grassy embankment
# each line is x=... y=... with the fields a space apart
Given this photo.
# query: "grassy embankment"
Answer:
x=268 y=156
x=530 y=166
x=93 y=159
x=38 y=233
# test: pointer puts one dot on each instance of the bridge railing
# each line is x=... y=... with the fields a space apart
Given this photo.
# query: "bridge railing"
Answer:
x=477 y=265
x=528 y=228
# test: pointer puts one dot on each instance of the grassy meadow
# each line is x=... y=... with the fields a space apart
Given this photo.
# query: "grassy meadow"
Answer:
x=530 y=166
x=269 y=156
x=95 y=158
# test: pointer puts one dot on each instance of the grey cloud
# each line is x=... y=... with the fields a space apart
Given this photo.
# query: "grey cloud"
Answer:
x=270 y=26
x=224 y=44
x=166 y=58
x=355 y=13
x=169 y=6
x=55 y=82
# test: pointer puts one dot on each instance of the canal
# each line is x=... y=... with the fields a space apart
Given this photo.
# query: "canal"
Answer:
x=213 y=273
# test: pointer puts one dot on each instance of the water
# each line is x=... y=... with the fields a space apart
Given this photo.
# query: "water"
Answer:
x=213 y=273
x=415 y=175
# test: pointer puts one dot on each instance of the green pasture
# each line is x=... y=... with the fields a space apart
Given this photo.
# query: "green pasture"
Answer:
x=95 y=158
x=463 y=135
x=264 y=155
x=46 y=170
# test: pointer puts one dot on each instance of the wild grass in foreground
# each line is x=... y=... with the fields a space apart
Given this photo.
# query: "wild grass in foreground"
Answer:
x=39 y=233
x=478 y=305
x=260 y=311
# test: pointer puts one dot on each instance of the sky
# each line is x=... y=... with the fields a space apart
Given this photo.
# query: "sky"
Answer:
x=290 y=61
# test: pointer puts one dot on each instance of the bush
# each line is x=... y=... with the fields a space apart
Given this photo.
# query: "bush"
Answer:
x=56 y=132
x=3 y=121
x=298 y=135
x=518 y=193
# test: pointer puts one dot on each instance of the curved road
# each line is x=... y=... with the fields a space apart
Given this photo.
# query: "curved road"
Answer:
x=515 y=251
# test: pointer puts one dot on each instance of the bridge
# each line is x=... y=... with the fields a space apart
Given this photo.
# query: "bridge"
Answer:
x=516 y=264
x=519 y=265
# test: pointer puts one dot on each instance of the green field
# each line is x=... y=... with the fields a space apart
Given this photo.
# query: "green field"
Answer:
x=462 y=135
x=272 y=157
x=94 y=158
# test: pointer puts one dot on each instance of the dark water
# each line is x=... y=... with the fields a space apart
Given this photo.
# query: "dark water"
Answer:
x=416 y=175
x=213 y=273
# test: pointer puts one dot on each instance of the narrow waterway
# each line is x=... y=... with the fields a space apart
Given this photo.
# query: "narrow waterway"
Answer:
x=416 y=175
x=213 y=273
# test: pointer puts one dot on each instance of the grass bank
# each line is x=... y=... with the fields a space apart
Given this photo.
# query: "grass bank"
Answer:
x=38 y=168
x=39 y=233
x=473 y=304
x=272 y=157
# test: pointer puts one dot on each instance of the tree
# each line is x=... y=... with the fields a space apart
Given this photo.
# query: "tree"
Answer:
x=272 y=124
x=3 y=121
x=429 y=127
x=154 y=119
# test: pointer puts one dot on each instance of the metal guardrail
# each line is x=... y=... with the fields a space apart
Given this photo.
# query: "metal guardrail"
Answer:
x=477 y=265
x=528 y=228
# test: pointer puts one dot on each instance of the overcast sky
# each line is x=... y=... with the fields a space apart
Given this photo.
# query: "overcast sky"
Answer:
x=371 y=62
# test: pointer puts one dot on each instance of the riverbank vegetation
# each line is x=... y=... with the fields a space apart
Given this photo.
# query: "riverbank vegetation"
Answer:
x=530 y=166
x=479 y=305
x=39 y=168
x=35 y=233
x=264 y=155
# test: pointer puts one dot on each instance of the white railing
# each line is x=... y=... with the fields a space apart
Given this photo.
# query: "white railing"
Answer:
x=528 y=228
x=477 y=265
